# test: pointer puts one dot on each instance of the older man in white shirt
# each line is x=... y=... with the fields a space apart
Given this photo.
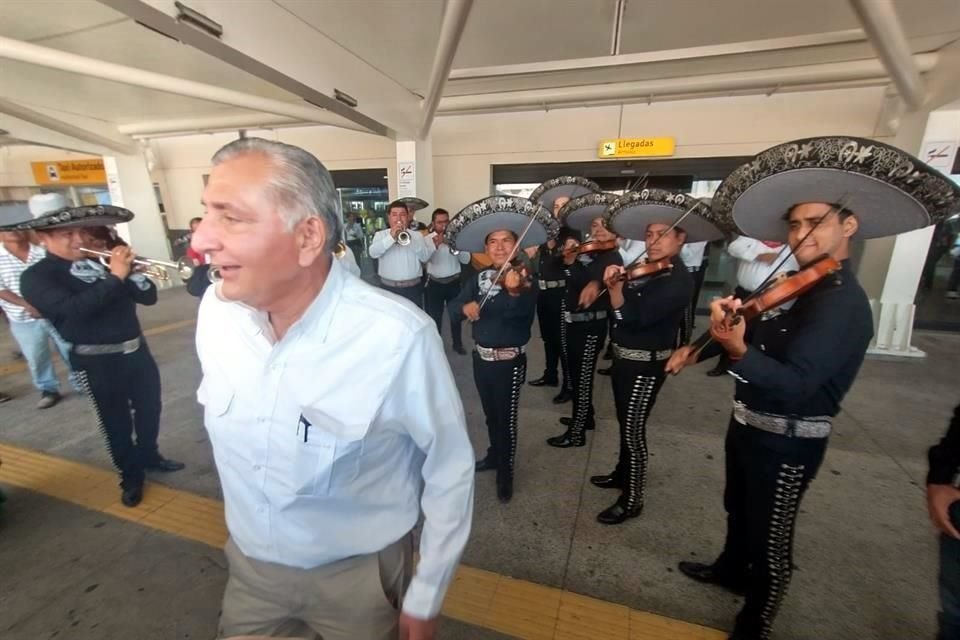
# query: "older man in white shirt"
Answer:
x=328 y=447
x=401 y=254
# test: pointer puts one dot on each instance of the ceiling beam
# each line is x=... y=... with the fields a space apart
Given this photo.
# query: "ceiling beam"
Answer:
x=688 y=53
x=72 y=63
x=943 y=83
x=107 y=140
x=203 y=124
x=455 y=16
x=270 y=41
x=880 y=21
x=760 y=80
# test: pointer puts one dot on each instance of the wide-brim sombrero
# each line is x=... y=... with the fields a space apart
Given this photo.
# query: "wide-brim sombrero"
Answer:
x=633 y=212
x=414 y=204
x=468 y=230
x=889 y=190
x=580 y=212
x=85 y=216
x=562 y=187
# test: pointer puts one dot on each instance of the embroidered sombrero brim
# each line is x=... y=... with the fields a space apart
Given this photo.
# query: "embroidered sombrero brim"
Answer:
x=85 y=216
x=632 y=213
x=468 y=230
x=580 y=212
x=562 y=187
x=889 y=190
x=414 y=204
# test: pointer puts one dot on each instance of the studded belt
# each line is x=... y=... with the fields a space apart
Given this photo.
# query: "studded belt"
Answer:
x=800 y=427
x=400 y=284
x=126 y=347
x=586 y=316
x=641 y=355
x=499 y=354
x=552 y=284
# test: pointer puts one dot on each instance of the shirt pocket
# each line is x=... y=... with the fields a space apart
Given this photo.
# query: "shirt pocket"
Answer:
x=325 y=464
x=216 y=398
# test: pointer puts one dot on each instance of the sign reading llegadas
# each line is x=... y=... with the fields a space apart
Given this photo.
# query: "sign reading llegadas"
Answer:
x=636 y=147
x=69 y=172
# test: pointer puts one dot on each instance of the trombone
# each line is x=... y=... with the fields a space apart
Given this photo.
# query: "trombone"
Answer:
x=154 y=268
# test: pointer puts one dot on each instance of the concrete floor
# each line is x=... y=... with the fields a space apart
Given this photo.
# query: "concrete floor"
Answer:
x=866 y=555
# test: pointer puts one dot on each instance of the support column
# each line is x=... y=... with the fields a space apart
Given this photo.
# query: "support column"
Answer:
x=131 y=187
x=415 y=174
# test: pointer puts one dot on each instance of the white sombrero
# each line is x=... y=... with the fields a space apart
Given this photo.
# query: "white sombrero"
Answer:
x=888 y=190
x=562 y=187
x=632 y=213
x=468 y=230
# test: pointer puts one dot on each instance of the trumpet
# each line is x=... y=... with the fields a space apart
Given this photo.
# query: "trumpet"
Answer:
x=403 y=238
x=154 y=268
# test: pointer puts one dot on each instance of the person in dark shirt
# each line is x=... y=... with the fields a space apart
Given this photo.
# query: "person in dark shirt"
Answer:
x=501 y=311
x=943 y=503
x=586 y=310
x=94 y=308
x=553 y=195
x=649 y=316
x=815 y=194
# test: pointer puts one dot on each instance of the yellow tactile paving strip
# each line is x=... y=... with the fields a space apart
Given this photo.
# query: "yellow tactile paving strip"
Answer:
x=20 y=366
x=513 y=607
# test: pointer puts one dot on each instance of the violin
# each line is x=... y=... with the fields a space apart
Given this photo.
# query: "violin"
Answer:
x=777 y=293
x=644 y=270
x=590 y=246
x=516 y=266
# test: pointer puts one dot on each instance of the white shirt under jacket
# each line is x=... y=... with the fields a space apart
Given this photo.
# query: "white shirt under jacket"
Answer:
x=329 y=446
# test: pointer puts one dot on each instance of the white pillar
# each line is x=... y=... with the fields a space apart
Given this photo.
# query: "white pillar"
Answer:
x=415 y=174
x=131 y=187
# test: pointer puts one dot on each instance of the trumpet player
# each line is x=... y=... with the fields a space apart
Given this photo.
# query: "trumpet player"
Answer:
x=443 y=278
x=401 y=255
x=93 y=307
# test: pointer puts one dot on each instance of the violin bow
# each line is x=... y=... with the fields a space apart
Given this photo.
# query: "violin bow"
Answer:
x=506 y=264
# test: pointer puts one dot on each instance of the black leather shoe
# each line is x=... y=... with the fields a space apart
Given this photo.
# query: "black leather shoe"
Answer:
x=605 y=371
x=565 y=395
x=716 y=372
x=131 y=496
x=485 y=465
x=617 y=514
x=164 y=464
x=590 y=426
x=609 y=481
x=707 y=574
x=544 y=381
x=567 y=440
x=458 y=348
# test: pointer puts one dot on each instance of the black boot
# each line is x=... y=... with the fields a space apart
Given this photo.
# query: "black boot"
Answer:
x=159 y=463
x=618 y=513
x=609 y=481
x=131 y=495
x=544 y=381
x=710 y=574
x=716 y=371
x=590 y=426
x=487 y=464
x=504 y=485
x=565 y=395
x=569 y=438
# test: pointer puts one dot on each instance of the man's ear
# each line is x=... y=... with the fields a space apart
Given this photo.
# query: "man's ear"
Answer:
x=850 y=226
x=311 y=237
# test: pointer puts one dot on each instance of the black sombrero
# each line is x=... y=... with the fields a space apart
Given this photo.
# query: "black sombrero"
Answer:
x=580 y=212
x=414 y=204
x=889 y=190
x=562 y=187
x=468 y=230
x=86 y=216
x=633 y=212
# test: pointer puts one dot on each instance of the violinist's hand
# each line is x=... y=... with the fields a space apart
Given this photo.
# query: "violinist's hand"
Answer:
x=512 y=281
x=569 y=251
x=939 y=499
x=589 y=295
x=730 y=337
x=472 y=311
x=613 y=278
x=685 y=356
x=720 y=308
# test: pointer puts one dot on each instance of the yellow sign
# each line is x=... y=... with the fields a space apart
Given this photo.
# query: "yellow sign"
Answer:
x=636 y=147
x=69 y=172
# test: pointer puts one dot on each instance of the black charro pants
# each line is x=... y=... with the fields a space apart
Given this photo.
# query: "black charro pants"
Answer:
x=499 y=384
x=550 y=319
x=414 y=294
x=584 y=341
x=435 y=296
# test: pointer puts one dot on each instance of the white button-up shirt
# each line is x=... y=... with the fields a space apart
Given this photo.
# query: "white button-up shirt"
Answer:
x=11 y=268
x=751 y=272
x=399 y=262
x=328 y=446
x=443 y=264
x=692 y=254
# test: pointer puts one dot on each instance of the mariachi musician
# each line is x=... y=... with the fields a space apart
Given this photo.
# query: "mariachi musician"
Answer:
x=500 y=302
x=586 y=305
x=816 y=195
x=649 y=299
x=552 y=195
x=94 y=308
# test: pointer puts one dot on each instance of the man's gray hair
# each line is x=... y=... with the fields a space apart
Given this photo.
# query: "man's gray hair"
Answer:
x=301 y=185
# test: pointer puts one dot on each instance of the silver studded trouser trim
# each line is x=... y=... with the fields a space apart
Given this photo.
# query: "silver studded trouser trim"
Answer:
x=634 y=396
x=499 y=384
x=585 y=341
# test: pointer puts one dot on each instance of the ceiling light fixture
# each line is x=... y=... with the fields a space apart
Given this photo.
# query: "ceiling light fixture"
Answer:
x=197 y=19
